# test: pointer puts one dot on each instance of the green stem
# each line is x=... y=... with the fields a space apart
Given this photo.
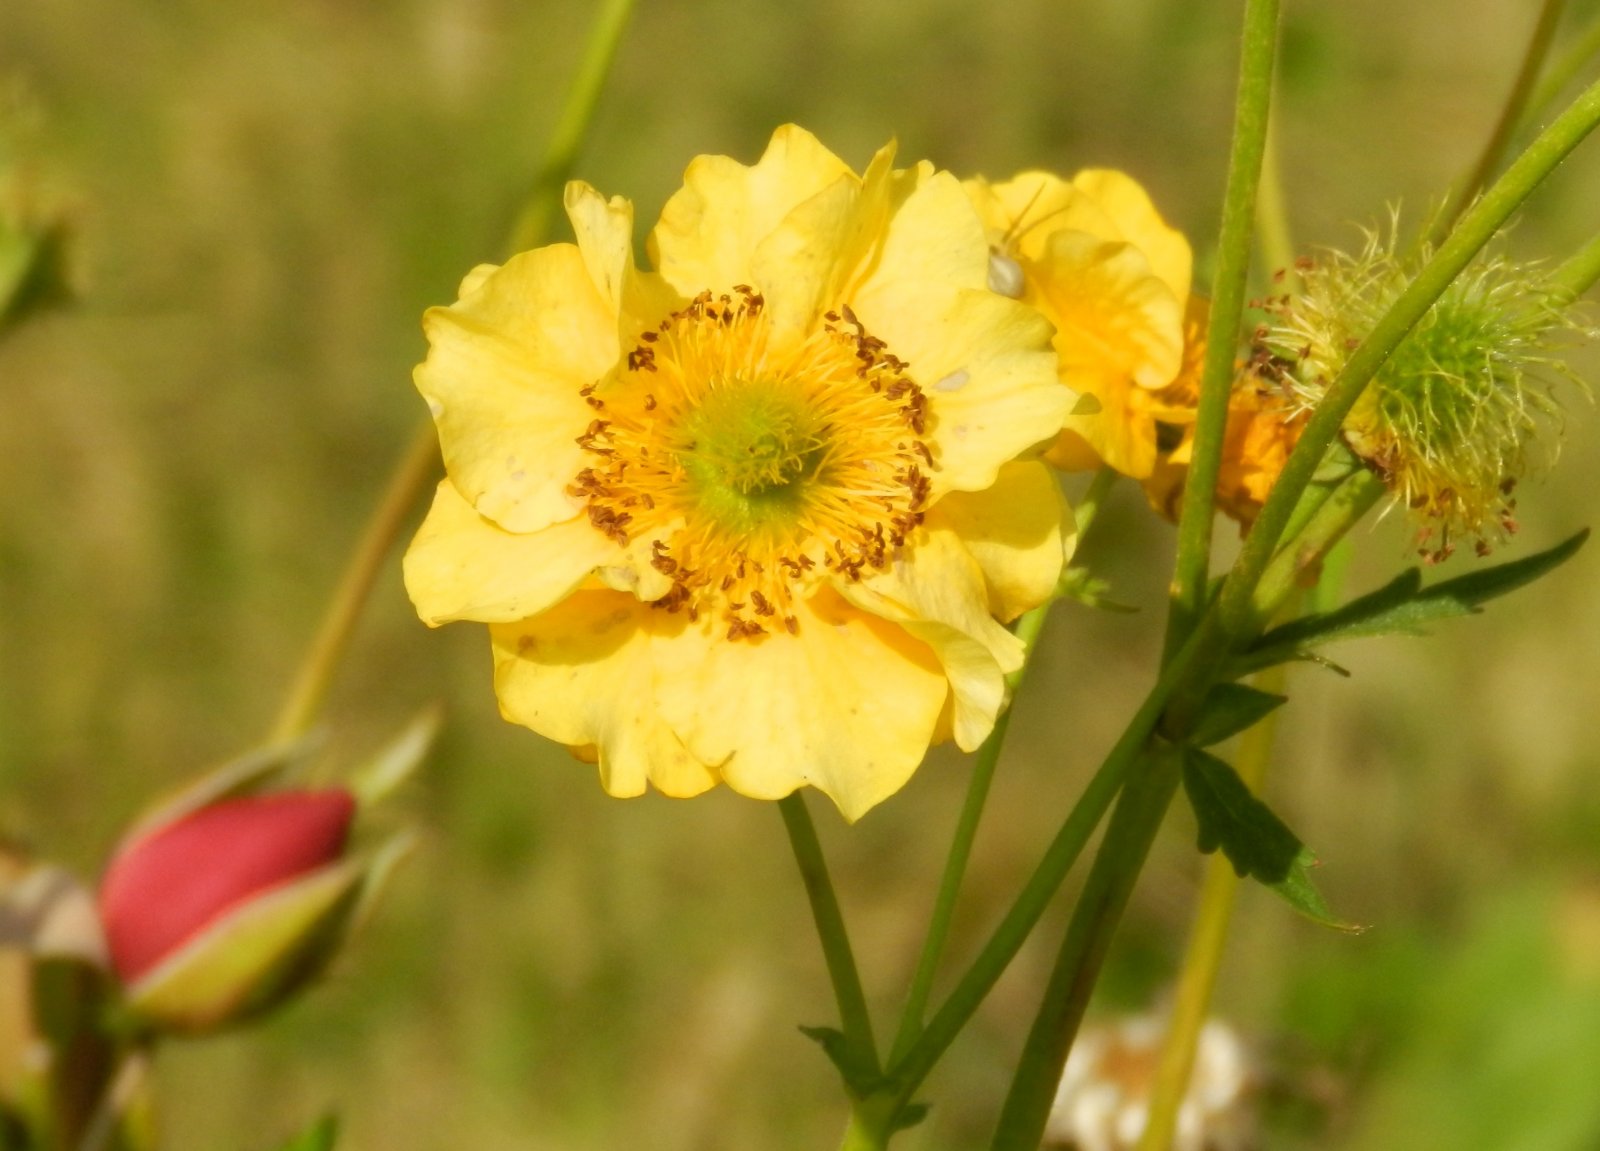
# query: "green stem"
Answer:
x=1089 y=504
x=410 y=479
x=1193 y=565
x=1562 y=72
x=1475 y=228
x=1203 y=959
x=1298 y=565
x=561 y=157
x=912 y=1068
x=955 y=867
x=1117 y=864
x=1273 y=233
x=1511 y=115
x=855 y=1022
x=1578 y=273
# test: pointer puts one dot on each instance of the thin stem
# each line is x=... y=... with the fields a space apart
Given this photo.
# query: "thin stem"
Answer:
x=1298 y=565
x=561 y=157
x=1511 y=114
x=410 y=478
x=120 y=1095
x=1007 y=939
x=1117 y=864
x=955 y=867
x=1089 y=504
x=1203 y=959
x=1475 y=228
x=1578 y=273
x=854 y=1019
x=1561 y=73
x=1273 y=233
x=1251 y=106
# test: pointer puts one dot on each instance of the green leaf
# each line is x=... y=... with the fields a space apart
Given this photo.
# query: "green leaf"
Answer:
x=1404 y=605
x=1254 y=840
x=910 y=1115
x=1230 y=708
x=320 y=1136
x=861 y=1078
x=395 y=763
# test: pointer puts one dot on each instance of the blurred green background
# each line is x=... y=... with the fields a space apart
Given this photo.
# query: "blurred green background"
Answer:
x=267 y=196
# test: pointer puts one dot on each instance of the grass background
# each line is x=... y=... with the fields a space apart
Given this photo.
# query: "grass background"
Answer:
x=266 y=198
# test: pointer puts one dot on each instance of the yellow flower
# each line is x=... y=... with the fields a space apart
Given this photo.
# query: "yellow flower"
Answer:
x=754 y=517
x=1097 y=260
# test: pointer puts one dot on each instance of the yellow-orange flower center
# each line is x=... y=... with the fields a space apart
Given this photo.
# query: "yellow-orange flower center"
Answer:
x=752 y=465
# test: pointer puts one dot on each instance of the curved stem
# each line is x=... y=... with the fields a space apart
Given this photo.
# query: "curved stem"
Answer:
x=854 y=1019
x=561 y=157
x=1578 y=272
x=1511 y=114
x=415 y=471
x=1475 y=228
x=1193 y=566
x=1561 y=73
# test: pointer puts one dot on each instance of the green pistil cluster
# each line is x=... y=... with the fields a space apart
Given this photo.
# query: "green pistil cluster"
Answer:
x=749 y=448
x=1461 y=410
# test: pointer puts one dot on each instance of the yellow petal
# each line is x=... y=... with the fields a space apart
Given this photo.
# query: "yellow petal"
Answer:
x=1135 y=220
x=710 y=228
x=583 y=674
x=604 y=231
x=1019 y=531
x=502 y=378
x=1112 y=315
x=1122 y=433
x=848 y=705
x=936 y=591
x=463 y=566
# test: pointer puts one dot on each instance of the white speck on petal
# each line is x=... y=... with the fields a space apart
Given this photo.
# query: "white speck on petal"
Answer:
x=954 y=382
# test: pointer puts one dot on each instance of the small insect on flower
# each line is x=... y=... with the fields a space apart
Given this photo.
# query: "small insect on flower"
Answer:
x=757 y=516
x=1096 y=259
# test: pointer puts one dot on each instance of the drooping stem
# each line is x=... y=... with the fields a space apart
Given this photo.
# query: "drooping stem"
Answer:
x=1511 y=114
x=1117 y=864
x=410 y=479
x=1251 y=108
x=854 y=1019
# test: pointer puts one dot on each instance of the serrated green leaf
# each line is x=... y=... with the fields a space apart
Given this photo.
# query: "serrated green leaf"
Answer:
x=1230 y=708
x=861 y=1078
x=1304 y=897
x=1404 y=605
x=1256 y=841
x=320 y=1136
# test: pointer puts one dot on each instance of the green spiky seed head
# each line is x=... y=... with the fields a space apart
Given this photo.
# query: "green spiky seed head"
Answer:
x=1462 y=409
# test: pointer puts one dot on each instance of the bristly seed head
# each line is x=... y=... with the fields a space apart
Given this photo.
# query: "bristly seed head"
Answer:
x=1461 y=410
x=754 y=467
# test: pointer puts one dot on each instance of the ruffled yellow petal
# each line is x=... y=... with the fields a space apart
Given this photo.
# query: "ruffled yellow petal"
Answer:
x=463 y=566
x=710 y=228
x=1122 y=434
x=1134 y=219
x=1112 y=315
x=847 y=706
x=502 y=378
x=604 y=231
x=936 y=591
x=583 y=674
x=1019 y=531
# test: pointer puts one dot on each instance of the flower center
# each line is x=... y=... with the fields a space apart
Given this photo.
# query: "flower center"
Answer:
x=755 y=469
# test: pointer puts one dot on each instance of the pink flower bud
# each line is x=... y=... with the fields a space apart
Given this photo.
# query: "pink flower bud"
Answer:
x=166 y=886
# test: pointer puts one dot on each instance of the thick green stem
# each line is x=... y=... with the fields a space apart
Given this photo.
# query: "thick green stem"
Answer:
x=1297 y=566
x=1475 y=228
x=1193 y=565
x=855 y=1022
x=1511 y=114
x=1117 y=864
x=416 y=470
x=572 y=130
